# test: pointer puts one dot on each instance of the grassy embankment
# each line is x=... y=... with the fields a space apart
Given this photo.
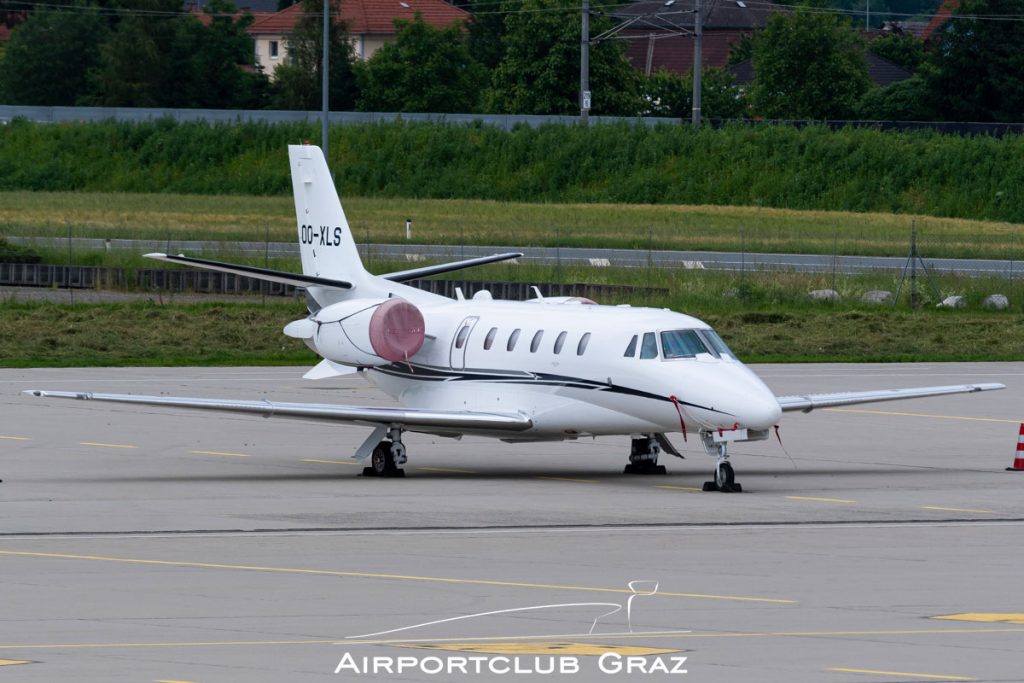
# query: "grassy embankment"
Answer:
x=607 y=186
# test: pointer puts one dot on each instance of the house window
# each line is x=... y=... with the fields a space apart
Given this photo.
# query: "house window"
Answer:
x=582 y=346
x=512 y=339
x=274 y=49
x=489 y=339
x=535 y=344
x=560 y=342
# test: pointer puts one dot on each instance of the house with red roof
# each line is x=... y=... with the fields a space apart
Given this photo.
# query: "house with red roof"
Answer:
x=370 y=25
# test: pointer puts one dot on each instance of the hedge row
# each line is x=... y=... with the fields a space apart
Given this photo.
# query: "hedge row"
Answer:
x=779 y=166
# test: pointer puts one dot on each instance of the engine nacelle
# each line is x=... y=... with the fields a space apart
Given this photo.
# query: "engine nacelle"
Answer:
x=364 y=332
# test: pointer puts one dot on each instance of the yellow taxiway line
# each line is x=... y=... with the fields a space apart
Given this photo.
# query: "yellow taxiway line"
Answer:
x=680 y=488
x=394 y=577
x=936 y=507
x=451 y=470
x=937 y=417
x=821 y=500
x=502 y=638
x=15 y=438
x=236 y=455
x=902 y=674
x=332 y=462
x=106 y=445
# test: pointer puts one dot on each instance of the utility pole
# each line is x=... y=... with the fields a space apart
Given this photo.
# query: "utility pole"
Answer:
x=698 y=34
x=325 y=109
x=585 y=64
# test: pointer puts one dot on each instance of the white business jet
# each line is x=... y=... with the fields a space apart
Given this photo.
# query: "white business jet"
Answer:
x=547 y=369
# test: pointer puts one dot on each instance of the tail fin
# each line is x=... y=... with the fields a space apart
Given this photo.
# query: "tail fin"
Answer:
x=325 y=240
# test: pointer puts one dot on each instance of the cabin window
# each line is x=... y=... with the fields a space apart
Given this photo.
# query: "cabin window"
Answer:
x=460 y=339
x=560 y=342
x=512 y=339
x=489 y=339
x=631 y=349
x=535 y=344
x=582 y=346
x=682 y=344
x=714 y=342
x=649 y=346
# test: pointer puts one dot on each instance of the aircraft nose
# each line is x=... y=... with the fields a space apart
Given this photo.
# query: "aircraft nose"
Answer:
x=761 y=411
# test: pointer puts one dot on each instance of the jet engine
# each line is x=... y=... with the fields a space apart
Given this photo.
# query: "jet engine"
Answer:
x=363 y=332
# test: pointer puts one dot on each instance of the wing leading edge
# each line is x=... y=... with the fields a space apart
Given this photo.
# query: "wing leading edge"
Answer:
x=408 y=418
x=809 y=402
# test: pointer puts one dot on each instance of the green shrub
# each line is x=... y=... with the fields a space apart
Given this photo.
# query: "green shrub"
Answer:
x=777 y=166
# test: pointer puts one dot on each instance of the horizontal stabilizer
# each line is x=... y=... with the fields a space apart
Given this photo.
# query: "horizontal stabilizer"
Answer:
x=278 y=276
x=406 y=275
x=809 y=402
x=416 y=420
x=326 y=369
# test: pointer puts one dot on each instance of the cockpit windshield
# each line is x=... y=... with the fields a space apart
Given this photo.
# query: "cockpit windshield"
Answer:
x=688 y=343
x=718 y=346
x=682 y=344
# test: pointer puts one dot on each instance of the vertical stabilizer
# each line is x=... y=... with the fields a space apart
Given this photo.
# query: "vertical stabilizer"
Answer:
x=325 y=240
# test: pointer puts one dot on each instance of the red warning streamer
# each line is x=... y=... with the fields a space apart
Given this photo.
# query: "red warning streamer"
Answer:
x=682 y=423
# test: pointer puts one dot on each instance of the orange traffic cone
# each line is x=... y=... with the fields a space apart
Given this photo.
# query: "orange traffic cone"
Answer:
x=1018 y=461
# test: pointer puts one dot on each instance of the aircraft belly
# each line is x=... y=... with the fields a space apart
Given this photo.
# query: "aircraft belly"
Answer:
x=559 y=409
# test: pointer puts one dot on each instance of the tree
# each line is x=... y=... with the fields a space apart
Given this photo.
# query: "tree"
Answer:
x=486 y=30
x=297 y=82
x=133 y=69
x=669 y=94
x=426 y=69
x=540 y=70
x=206 y=61
x=900 y=48
x=903 y=101
x=49 y=56
x=978 y=66
x=808 y=65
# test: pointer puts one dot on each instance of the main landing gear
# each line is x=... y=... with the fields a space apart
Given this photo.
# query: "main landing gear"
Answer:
x=643 y=457
x=725 y=478
x=387 y=457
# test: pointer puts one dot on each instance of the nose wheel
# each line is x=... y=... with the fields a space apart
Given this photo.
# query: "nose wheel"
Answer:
x=725 y=477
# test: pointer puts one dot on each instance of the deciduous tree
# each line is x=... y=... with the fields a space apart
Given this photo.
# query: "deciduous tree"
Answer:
x=540 y=70
x=808 y=65
x=426 y=69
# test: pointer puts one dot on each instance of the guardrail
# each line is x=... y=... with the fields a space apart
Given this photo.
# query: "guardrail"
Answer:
x=212 y=282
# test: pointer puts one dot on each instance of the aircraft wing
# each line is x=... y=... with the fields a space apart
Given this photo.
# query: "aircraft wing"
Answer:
x=809 y=402
x=251 y=271
x=425 y=271
x=415 y=420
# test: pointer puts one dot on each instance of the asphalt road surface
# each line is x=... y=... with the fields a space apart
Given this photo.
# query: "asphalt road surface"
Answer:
x=146 y=544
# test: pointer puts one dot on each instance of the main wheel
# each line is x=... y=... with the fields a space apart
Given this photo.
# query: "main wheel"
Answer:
x=381 y=461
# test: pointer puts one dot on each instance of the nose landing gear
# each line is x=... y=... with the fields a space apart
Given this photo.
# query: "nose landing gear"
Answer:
x=725 y=478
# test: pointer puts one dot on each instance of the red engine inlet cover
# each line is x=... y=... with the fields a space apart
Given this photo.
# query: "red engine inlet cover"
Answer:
x=396 y=330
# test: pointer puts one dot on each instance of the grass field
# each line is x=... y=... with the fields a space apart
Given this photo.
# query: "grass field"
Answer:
x=62 y=335
x=452 y=221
